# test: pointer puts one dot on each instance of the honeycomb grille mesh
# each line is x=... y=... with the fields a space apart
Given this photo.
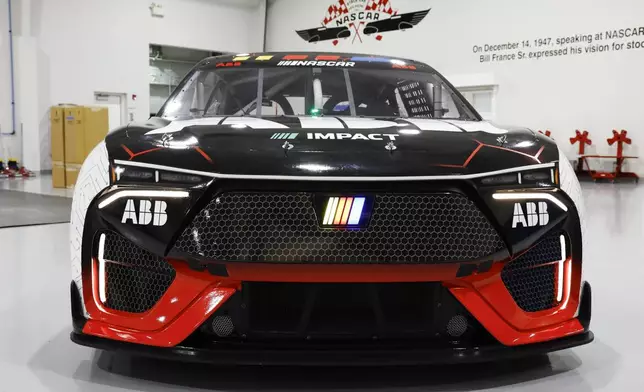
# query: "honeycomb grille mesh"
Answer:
x=283 y=227
x=121 y=250
x=531 y=283
x=135 y=278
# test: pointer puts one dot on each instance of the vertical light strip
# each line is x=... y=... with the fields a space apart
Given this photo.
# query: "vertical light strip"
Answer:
x=156 y=176
x=102 y=292
x=560 y=269
x=519 y=174
x=356 y=211
x=552 y=175
x=338 y=212
x=329 y=211
x=347 y=209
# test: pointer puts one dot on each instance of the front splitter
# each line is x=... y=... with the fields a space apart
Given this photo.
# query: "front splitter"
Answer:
x=252 y=354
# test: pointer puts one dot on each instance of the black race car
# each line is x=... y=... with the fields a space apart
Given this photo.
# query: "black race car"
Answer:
x=314 y=208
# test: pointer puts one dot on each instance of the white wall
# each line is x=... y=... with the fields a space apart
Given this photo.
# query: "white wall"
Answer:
x=68 y=49
x=5 y=96
x=598 y=92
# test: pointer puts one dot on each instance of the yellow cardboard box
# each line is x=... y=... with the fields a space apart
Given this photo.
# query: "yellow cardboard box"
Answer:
x=58 y=174
x=84 y=128
x=71 y=174
x=96 y=126
x=74 y=135
x=56 y=116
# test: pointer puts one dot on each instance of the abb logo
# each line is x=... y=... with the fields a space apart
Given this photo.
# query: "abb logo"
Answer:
x=145 y=215
x=536 y=214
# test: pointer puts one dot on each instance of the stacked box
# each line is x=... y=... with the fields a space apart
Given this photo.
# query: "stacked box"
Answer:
x=82 y=128
x=56 y=116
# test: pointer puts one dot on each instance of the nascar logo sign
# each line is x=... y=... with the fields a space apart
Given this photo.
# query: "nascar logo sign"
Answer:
x=344 y=211
x=358 y=18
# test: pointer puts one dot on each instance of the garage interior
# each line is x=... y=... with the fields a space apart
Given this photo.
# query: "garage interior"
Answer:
x=571 y=71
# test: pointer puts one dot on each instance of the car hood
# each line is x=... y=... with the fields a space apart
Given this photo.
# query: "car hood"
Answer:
x=329 y=146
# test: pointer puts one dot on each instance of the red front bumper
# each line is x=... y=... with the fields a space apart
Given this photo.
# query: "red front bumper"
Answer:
x=194 y=296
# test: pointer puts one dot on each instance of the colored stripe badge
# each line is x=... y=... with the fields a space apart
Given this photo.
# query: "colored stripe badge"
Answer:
x=343 y=211
x=282 y=136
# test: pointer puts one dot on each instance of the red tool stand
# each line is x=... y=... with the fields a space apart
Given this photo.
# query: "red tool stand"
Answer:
x=620 y=138
x=547 y=133
x=582 y=138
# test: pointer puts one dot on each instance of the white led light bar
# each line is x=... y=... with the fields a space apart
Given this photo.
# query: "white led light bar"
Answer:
x=530 y=196
x=102 y=292
x=560 y=269
x=142 y=193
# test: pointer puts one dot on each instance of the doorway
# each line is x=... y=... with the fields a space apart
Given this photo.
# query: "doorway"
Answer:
x=116 y=106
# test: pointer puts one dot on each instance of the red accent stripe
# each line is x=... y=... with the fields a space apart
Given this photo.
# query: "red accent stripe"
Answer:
x=539 y=152
x=129 y=152
x=473 y=154
x=133 y=155
x=145 y=152
x=327 y=57
x=295 y=57
x=203 y=154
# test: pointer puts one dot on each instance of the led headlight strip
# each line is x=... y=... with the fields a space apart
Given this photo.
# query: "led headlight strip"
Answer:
x=560 y=269
x=102 y=292
x=530 y=196
x=142 y=193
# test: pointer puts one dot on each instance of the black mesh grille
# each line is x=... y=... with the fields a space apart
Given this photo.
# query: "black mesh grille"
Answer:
x=531 y=283
x=282 y=227
x=121 y=250
x=135 y=278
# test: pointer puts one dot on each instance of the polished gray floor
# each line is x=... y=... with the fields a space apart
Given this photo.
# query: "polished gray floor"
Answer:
x=25 y=209
x=36 y=354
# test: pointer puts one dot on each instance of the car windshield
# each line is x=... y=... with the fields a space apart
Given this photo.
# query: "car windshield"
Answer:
x=208 y=92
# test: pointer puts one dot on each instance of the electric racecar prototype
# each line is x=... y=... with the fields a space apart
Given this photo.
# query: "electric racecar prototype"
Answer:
x=312 y=208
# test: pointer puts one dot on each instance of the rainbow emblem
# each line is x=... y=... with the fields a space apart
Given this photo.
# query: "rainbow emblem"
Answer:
x=343 y=211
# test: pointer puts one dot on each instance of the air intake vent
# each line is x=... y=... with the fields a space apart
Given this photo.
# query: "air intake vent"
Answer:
x=531 y=278
x=135 y=279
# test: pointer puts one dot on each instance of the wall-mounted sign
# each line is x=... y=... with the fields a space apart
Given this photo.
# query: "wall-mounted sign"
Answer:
x=361 y=19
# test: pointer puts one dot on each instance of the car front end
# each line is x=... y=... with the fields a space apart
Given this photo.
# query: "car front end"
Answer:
x=329 y=238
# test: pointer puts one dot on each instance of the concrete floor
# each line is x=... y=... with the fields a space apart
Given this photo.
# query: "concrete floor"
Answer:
x=40 y=184
x=36 y=354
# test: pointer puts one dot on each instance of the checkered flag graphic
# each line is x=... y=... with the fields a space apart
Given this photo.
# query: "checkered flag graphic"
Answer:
x=380 y=6
x=335 y=11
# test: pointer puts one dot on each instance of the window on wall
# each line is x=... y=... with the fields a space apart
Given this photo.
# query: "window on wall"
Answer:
x=482 y=98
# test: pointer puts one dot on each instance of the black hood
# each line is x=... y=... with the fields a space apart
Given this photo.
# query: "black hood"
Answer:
x=330 y=147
